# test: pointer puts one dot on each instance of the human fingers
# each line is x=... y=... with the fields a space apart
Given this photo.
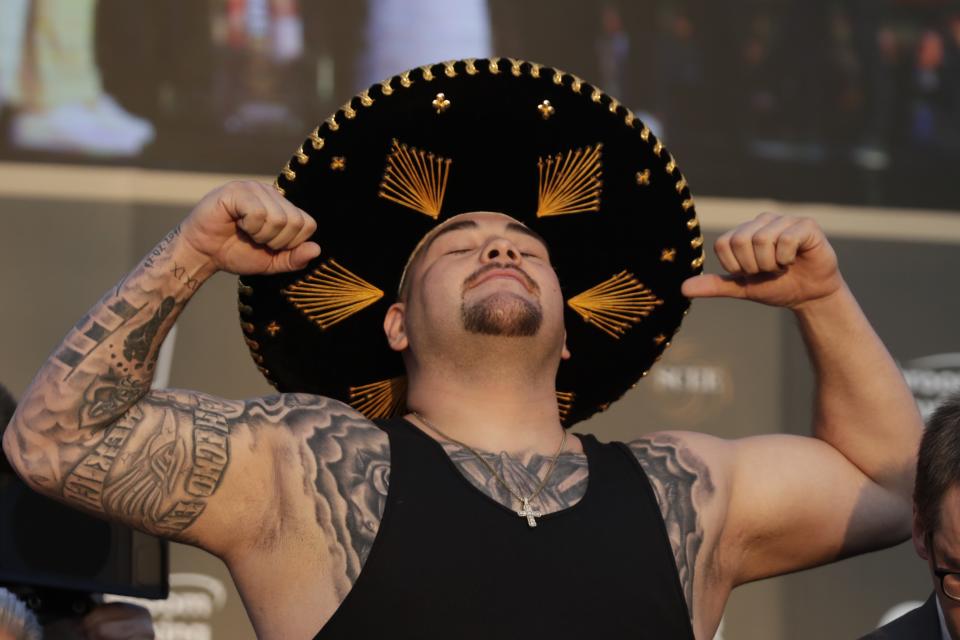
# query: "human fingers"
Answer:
x=306 y=222
x=734 y=248
x=294 y=259
x=710 y=285
x=765 y=240
x=261 y=217
x=294 y=219
x=801 y=234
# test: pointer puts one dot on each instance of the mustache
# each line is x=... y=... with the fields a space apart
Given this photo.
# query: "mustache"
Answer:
x=479 y=273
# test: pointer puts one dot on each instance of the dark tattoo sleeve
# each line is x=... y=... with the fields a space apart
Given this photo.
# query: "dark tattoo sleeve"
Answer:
x=87 y=431
x=157 y=465
x=352 y=459
x=142 y=340
x=681 y=483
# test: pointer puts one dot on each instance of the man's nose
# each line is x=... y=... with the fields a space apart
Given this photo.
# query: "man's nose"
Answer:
x=501 y=250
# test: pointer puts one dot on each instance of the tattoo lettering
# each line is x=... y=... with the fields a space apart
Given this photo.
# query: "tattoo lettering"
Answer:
x=139 y=344
x=161 y=247
x=180 y=273
x=157 y=465
x=211 y=452
x=681 y=482
x=85 y=482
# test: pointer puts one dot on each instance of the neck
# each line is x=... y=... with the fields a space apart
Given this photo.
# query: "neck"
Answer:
x=495 y=409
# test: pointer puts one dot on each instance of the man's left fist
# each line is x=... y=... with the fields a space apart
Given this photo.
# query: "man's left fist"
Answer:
x=777 y=260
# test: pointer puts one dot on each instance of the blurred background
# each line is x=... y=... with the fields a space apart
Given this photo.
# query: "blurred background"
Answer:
x=117 y=115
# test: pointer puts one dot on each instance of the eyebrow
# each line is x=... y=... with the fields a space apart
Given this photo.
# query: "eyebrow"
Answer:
x=472 y=224
x=453 y=226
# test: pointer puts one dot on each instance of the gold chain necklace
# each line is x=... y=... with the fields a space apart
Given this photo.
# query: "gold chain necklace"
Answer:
x=526 y=512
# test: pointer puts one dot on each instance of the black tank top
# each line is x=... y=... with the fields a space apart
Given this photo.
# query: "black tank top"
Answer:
x=450 y=562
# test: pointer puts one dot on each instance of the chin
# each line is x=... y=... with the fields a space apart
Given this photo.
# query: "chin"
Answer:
x=503 y=314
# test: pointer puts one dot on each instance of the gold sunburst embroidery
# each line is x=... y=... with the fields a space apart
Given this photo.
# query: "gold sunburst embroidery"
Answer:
x=565 y=403
x=415 y=179
x=381 y=399
x=570 y=183
x=616 y=304
x=331 y=294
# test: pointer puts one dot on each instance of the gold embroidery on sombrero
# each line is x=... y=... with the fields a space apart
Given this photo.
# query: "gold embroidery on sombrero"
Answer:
x=382 y=399
x=570 y=183
x=616 y=304
x=546 y=109
x=697 y=262
x=415 y=179
x=331 y=294
x=441 y=103
x=565 y=403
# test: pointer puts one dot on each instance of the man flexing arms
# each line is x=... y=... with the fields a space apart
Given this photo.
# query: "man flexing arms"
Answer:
x=290 y=490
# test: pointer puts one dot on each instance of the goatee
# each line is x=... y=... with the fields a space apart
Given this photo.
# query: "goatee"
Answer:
x=503 y=314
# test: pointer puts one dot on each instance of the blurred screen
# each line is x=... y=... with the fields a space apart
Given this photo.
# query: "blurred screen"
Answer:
x=850 y=101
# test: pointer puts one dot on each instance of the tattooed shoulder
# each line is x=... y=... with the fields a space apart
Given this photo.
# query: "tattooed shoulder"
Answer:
x=347 y=458
x=682 y=485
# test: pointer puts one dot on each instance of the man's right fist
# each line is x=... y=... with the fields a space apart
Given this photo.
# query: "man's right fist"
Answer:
x=248 y=228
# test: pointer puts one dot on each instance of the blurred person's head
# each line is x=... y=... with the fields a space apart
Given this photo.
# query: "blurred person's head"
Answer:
x=936 y=498
x=17 y=622
x=930 y=51
x=953 y=28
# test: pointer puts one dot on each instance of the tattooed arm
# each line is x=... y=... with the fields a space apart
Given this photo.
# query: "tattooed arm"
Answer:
x=88 y=432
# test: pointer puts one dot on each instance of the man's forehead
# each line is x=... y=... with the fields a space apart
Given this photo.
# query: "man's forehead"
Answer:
x=473 y=220
x=477 y=220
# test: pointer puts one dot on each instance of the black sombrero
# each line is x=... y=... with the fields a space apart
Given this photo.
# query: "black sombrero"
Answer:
x=496 y=135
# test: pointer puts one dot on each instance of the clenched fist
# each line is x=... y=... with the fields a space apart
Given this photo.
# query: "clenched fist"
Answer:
x=248 y=228
x=777 y=260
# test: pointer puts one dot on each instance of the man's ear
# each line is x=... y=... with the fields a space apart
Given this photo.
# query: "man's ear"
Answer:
x=919 y=537
x=395 y=327
x=565 y=353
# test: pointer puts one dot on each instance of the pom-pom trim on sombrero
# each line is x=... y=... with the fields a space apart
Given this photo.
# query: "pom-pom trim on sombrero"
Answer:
x=621 y=306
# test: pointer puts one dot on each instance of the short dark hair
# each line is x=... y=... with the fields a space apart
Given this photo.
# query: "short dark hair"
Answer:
x=7 y=406
x=938 y=463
